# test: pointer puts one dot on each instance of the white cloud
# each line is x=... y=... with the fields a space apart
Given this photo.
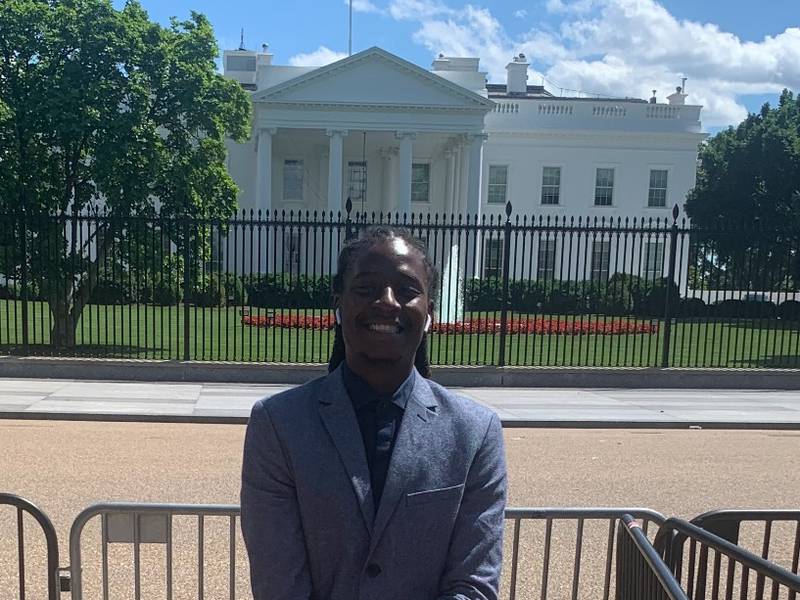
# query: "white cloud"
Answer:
x=618 y=48
x=520 y=13
x=318 y=58
x=364 y=6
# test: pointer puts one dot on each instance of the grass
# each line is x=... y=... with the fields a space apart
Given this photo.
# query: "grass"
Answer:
x=138 y=331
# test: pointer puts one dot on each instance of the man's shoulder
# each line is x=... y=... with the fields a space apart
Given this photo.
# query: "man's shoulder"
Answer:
x=293 y=400
x=463 y=410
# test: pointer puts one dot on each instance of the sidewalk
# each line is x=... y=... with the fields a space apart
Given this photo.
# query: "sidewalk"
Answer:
x=517 y=407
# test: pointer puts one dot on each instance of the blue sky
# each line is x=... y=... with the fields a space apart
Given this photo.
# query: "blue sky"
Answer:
x=736 y=54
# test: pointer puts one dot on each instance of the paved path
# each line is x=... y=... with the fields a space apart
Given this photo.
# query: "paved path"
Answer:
x=82 y=400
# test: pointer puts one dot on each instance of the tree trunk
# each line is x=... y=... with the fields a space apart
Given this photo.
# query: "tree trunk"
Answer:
x=62 y=331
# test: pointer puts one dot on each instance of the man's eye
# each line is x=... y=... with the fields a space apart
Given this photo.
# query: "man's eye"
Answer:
x=364 y=290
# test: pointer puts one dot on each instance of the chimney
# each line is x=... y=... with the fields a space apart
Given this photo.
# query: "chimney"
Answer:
x=678 y=98
x=517 y=80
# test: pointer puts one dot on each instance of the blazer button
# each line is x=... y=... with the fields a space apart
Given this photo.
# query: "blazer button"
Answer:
x=373 y=569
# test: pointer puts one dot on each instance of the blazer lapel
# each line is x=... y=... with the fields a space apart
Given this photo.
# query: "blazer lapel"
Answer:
x=416 y=429
x=339 y=418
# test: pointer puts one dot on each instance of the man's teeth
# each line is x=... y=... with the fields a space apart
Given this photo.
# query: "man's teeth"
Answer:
x=384 y=328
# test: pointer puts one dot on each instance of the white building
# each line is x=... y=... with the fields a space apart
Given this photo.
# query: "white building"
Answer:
x=395 y=137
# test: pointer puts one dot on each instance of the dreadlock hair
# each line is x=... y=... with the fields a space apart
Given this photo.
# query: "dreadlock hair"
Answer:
x=351 y=250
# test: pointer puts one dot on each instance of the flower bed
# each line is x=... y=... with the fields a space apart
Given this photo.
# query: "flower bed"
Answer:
x=538 y=325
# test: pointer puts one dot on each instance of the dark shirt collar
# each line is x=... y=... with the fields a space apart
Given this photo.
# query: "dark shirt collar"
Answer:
x=361 y=393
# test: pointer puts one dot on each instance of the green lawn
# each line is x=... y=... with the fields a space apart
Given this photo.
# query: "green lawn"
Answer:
x=138 y=331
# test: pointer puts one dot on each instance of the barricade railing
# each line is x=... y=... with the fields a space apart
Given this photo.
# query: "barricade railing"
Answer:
x=641 y=573
x=777 y=540
x=580 y=542
x=138 y=524
x=602 y=521
x=709 y=566
x=51 y=540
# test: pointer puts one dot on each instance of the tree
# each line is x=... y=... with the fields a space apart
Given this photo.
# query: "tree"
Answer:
x=103 y=105
x=749 y=177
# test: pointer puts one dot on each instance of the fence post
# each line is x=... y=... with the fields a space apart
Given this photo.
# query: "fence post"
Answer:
x=501 y=360
x=187 y=284
x=23 y=229
x=349 y=230
x=673 y=247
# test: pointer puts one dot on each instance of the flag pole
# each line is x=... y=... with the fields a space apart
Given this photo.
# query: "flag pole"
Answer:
x=350 y=38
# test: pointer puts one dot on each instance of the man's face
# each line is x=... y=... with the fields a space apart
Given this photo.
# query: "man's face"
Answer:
x=384 y=304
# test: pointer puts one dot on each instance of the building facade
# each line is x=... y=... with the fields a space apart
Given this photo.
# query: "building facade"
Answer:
x=395 y=138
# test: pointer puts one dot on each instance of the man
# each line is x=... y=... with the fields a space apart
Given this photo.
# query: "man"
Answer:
x=373 y=482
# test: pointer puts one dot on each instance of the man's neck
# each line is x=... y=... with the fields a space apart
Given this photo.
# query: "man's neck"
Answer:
x=383 y=378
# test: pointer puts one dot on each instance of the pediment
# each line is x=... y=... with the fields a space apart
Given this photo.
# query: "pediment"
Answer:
x=374 y=77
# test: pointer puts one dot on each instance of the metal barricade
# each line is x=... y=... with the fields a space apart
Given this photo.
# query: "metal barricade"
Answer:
x=641 y=573
x=138 y=524
x=710 y=566
x=778 y=541
x=51 y=541
x=600 y=572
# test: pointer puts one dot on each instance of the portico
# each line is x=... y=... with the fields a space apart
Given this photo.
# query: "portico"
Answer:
x=391 y=136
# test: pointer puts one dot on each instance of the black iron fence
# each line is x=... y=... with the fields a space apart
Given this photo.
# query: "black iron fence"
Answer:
x=516 y=290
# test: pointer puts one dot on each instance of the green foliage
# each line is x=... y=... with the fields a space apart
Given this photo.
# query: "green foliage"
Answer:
x=103 y=103
x=224 y=289
x=750 y=175
x=280 y=290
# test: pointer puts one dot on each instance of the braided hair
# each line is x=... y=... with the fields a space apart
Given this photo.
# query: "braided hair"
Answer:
x=351 y=250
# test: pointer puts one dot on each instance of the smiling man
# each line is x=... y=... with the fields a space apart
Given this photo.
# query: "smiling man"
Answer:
x=374 y=482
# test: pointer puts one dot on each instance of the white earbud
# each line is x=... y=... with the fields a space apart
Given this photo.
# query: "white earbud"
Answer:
x=428 y=323
x=338 y=315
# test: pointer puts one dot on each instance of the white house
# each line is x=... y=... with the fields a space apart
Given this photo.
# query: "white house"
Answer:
x=394 y=137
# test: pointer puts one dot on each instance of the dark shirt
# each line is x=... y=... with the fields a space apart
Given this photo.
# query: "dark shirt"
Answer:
x=379 y=419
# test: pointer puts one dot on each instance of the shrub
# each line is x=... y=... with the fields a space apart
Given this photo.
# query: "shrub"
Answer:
x=789 y=310
x=280 y=290
x=692 y=307
x=741 y=309
x=109 y=291
x=225 y=289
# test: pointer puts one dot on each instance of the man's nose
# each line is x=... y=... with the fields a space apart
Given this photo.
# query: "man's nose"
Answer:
x=387 y=298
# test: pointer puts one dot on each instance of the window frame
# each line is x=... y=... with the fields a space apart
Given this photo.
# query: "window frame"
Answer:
x=546 y=272
x=668 y=170
x=301 y=163
x=489 y=183
x=542 y=186
x=657 y=272
x=597 y=272
x=497 y=270
x=349 y=182
x=613 y=169
x=426 y=163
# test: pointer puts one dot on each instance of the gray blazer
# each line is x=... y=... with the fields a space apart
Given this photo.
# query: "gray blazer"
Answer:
x=308 y=517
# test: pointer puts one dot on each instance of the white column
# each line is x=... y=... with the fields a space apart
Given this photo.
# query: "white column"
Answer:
x=474 y=181
x=449 y=178
x=264 y=171
x=335 y=170
x=386 y=155
x=405 y=159
x=451 y=302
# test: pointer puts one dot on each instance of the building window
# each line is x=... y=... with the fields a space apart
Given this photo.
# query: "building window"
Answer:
x=492 y=257
x=420 y=182
x=498 y=184
x=657 y=195
x=551 y=185
x=604 y=187
x=291 y=252
x=601 y=260
x=293 y=180
x=546 y=265
x=357 y=182
x=653 y=260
